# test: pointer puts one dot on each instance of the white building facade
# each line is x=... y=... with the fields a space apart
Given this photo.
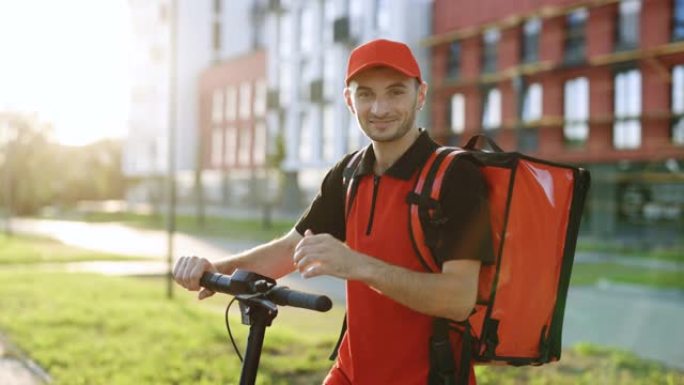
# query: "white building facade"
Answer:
x=308 y=44
x=206 y=32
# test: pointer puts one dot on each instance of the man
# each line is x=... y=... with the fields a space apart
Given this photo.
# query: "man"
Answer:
x=391 y=298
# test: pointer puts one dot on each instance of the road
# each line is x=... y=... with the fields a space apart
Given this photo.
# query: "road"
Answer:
x=639 y=320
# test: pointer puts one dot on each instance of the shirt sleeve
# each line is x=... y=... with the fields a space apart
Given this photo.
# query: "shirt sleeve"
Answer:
x=325 y=214
x=466 y=233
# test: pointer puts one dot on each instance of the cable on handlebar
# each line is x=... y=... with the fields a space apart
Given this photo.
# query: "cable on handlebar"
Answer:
x=230 y=334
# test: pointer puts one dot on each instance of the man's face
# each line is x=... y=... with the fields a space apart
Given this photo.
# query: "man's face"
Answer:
x=384 y=102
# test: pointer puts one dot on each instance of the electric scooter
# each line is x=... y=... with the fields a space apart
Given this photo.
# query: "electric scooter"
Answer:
x=258 y=297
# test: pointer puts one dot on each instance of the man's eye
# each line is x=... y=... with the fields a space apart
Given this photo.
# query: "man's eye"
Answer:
x=397 y=92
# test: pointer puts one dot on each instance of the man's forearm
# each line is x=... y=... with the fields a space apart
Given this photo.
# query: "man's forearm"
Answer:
x=273 y=259
x=450 y=294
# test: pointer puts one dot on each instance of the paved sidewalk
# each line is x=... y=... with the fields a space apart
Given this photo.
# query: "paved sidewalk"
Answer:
x=18 y=370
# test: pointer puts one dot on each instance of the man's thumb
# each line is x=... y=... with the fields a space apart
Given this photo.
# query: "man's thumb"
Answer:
x=204 y=293
x=308 y=233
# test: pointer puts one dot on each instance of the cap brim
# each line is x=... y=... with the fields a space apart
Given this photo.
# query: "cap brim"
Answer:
x=381 y=64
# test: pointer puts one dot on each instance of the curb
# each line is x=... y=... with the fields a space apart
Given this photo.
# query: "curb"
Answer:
x=9 y=353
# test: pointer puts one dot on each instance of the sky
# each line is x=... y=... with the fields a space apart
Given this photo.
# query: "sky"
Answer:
x=66 y=60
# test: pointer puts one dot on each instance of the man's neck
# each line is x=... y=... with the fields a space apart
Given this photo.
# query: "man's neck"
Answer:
x=386 y=153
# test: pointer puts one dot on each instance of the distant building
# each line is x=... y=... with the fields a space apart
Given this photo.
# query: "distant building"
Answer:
x=305 y=45
x=145 y=149
x=233 y=130
x=596 y=83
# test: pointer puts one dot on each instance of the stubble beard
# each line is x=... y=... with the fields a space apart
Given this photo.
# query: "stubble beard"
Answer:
x=404 y=128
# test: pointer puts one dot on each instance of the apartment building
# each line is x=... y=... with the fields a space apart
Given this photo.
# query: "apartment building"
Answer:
x=595 y=83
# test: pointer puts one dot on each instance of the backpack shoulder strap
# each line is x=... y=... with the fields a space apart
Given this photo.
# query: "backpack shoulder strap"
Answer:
x=350 y=187
x=425 y=212
x=349 y=180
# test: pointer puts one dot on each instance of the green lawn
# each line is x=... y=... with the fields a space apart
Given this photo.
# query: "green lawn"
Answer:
x=674 y=253
x=89 y=329
x=213 y=226
x=22 y=249
x=92 y=329
x=592 y=273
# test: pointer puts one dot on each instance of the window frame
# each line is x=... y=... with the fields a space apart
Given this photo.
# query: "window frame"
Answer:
x=627 y=109
x=490 y=46
x=575 y=44
x=576 y=116
x=531 y=32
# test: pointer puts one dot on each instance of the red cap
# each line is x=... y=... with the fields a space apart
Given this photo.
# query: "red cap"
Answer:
x=385 y=53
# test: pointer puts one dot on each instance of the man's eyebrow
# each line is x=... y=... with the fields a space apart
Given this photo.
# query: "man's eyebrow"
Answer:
x=397 y=85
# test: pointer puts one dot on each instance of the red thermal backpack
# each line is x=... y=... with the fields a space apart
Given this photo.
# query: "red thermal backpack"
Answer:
x=535 y=208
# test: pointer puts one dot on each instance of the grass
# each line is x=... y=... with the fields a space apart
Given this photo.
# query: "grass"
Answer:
x=585 y=364
x=89 y=329
x=24 y=249
x=592 y=273
x=251 y=229
x=673 y=253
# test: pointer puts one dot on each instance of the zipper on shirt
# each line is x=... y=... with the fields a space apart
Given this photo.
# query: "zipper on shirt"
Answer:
x=376 y=184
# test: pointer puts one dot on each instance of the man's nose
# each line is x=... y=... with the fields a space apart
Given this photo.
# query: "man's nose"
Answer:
x=379 y=107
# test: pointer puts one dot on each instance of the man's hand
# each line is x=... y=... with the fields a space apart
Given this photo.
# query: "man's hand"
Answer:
x=323 y=254
x=189 y=270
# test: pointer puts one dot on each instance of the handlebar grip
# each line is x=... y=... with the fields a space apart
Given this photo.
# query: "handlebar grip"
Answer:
x=216 y=282
x=286 y=297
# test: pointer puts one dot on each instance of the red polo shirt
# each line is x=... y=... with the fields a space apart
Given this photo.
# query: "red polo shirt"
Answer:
x=386 y=342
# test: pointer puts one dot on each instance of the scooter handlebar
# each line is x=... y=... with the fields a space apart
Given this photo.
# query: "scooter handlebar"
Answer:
x=242 y=282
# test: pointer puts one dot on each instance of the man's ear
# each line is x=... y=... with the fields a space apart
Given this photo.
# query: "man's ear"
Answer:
x=348 y=99
x=422 y=94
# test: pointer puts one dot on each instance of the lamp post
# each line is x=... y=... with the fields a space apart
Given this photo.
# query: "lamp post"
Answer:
x=6 y=137
x=171 y=182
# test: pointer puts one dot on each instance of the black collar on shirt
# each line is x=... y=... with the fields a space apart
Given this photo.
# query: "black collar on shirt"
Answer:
x=407 y=164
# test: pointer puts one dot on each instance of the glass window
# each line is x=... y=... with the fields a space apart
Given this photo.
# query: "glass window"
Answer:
x=245 y=100
x=331 y=86
x=627 y=126
x=230 y=145
x=575 y=36
x=532 y=108
x=628 y=26
x=244 y=151
x=285 y=85
x=306 y=139
x=217 y=107
x=678 y=105
x=357 y=11
x=329 y=132
x=260 y=98
x=457 y=118
x=530 y=44
x=576 y=110
x=260 y=141
x=216 y=36
x=454 y=59
x=231 y=103
x=678 y=20
x=216 y=147
x=307 y=30
x=490 y=43
x=491 y=112
x=285 y=38
x=382 y=16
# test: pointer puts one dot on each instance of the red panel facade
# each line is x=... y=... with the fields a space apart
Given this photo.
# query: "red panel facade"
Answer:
x=250 y=68
x=655 y=55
